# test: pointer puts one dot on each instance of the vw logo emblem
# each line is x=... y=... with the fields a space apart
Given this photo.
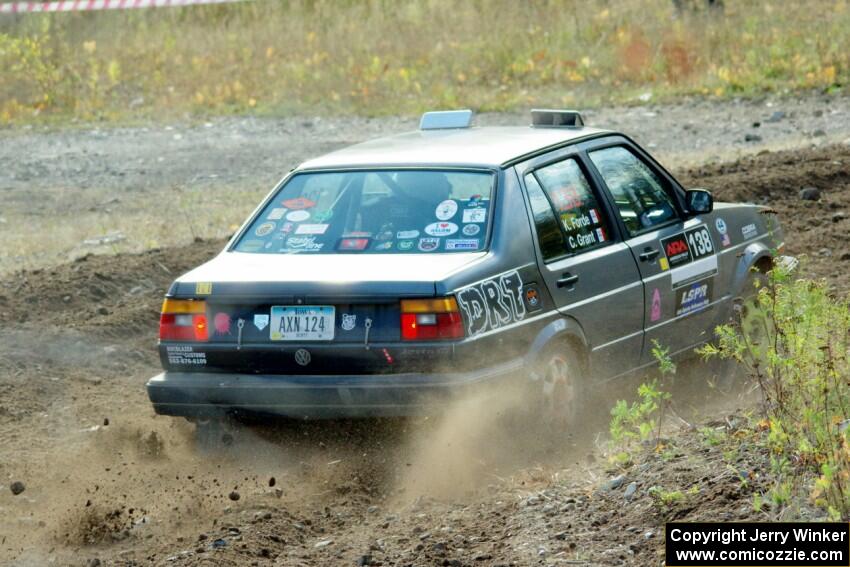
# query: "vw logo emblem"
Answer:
x=302 y=356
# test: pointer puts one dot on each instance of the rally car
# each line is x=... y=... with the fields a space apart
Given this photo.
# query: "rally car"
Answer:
x=382 y=278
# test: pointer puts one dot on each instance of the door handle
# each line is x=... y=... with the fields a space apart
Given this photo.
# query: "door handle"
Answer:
x=648 y=254
x=567 y=280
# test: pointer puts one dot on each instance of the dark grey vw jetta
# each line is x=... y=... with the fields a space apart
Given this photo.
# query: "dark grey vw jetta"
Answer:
x=381 y=278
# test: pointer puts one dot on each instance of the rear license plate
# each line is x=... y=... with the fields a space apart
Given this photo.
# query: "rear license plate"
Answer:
x=302 y=323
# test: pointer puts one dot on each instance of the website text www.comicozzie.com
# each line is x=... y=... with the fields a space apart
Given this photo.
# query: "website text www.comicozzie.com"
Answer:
x=757 y=544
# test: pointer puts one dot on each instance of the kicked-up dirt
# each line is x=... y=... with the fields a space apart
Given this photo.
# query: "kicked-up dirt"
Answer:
x=106 y=482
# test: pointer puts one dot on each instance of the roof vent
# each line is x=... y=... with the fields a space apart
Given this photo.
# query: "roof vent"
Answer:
x=548 y=117
x=445 y=119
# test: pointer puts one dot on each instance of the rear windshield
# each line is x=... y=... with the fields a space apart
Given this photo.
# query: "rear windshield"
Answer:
x=380 y=212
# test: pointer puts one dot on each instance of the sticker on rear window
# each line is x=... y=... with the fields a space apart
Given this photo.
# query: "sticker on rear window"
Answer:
x=446 y=210
x=353 y=244
x=277 y=213
x=311 y=229
x=462 y=244
x=298 y=216
x=264 y=229
x=298 y=203
x=475 y=215
x=441 y=228
x=429 y=244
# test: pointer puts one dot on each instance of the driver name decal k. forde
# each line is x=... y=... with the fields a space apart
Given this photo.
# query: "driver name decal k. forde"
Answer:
x=493 y=303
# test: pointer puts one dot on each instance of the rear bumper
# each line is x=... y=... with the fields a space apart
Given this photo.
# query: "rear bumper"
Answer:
x=203 y=394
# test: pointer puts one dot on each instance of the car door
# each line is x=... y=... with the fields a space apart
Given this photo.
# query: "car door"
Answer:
x=588 y=270
x=675 y=254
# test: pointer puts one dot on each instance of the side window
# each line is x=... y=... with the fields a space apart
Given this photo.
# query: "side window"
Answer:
x=548 y=233
x=638 y=192
x=568 y=194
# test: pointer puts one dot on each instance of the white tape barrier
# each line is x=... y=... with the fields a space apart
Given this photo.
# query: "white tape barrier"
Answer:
x=87 y=5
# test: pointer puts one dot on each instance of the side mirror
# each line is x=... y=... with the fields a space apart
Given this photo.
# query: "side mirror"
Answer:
x=699 y=201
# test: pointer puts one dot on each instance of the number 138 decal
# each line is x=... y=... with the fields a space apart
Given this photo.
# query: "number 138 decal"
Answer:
x=699 y=241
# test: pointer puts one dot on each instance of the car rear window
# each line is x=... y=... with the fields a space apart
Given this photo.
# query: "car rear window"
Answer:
x=382 y=212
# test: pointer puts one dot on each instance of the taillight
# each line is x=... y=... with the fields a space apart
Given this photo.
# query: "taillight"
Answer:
x=430 y=319
x=183 y=320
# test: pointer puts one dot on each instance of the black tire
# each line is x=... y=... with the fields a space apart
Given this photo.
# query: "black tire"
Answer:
x=558 y=398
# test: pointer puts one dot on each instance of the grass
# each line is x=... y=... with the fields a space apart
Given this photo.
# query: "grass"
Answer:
x=379 y=57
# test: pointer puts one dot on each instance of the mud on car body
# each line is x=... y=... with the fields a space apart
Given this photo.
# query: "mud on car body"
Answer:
x=381 y=278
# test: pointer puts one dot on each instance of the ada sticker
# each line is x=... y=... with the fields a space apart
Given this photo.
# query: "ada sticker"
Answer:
x=475 y=215
x=311 y=229
x=471 y=229
x=405 y=234
x=298 y=203
x=261 y=321
x=264 y=229
x=276 y=214
x=298 y=216
x=446 y=210
x=749 y=231
x=655 y=312
x=695 y=297
x=441 y=228
x=429 y=244
x=348 y=322
x=353 y=244
x=676 y=249
x=462 y=244
x=492 y=303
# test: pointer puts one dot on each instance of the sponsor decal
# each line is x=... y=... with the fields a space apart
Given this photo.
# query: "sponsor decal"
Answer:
x=725 y=240
x=261 y=321
x=353 y=244
x=302 y=357
x=567 y=198
x=221 y=323
x=655 y=311
x=384 y=235
x=720 y=225
x=664 y=264
x=475 y=215
x=348 y=322
x=406 y=234
x=694 y=297
x=441 y=228
x=532 y=297
x=298 y=203
x=276 y=214
x=297 y=216
x=264 y=229
x=405 y=245
x=287 y=227
x=203 y=288
x=474 y=201
x=688 y=246
x=676 y=249
x=749 y=231
x=251 y=246
x=446 y=210
x=493 y=303
x=429 y=244
x=302 y=243
x=311 y=229
x=383 y=245
x=471 y=229
x=323 y=216
x=185 y=355
x=462 y=244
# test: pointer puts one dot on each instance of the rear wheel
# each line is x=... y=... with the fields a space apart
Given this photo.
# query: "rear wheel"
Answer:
x=558 y=390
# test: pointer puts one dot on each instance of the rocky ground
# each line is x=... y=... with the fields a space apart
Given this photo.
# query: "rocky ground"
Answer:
x=104 y=481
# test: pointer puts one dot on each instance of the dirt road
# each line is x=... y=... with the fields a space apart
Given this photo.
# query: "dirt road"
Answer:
x=107 y=481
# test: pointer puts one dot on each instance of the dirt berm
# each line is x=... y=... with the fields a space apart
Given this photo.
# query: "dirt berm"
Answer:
x=105 y=480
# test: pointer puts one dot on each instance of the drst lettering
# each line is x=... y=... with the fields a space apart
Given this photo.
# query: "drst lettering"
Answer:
x=492 y=303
